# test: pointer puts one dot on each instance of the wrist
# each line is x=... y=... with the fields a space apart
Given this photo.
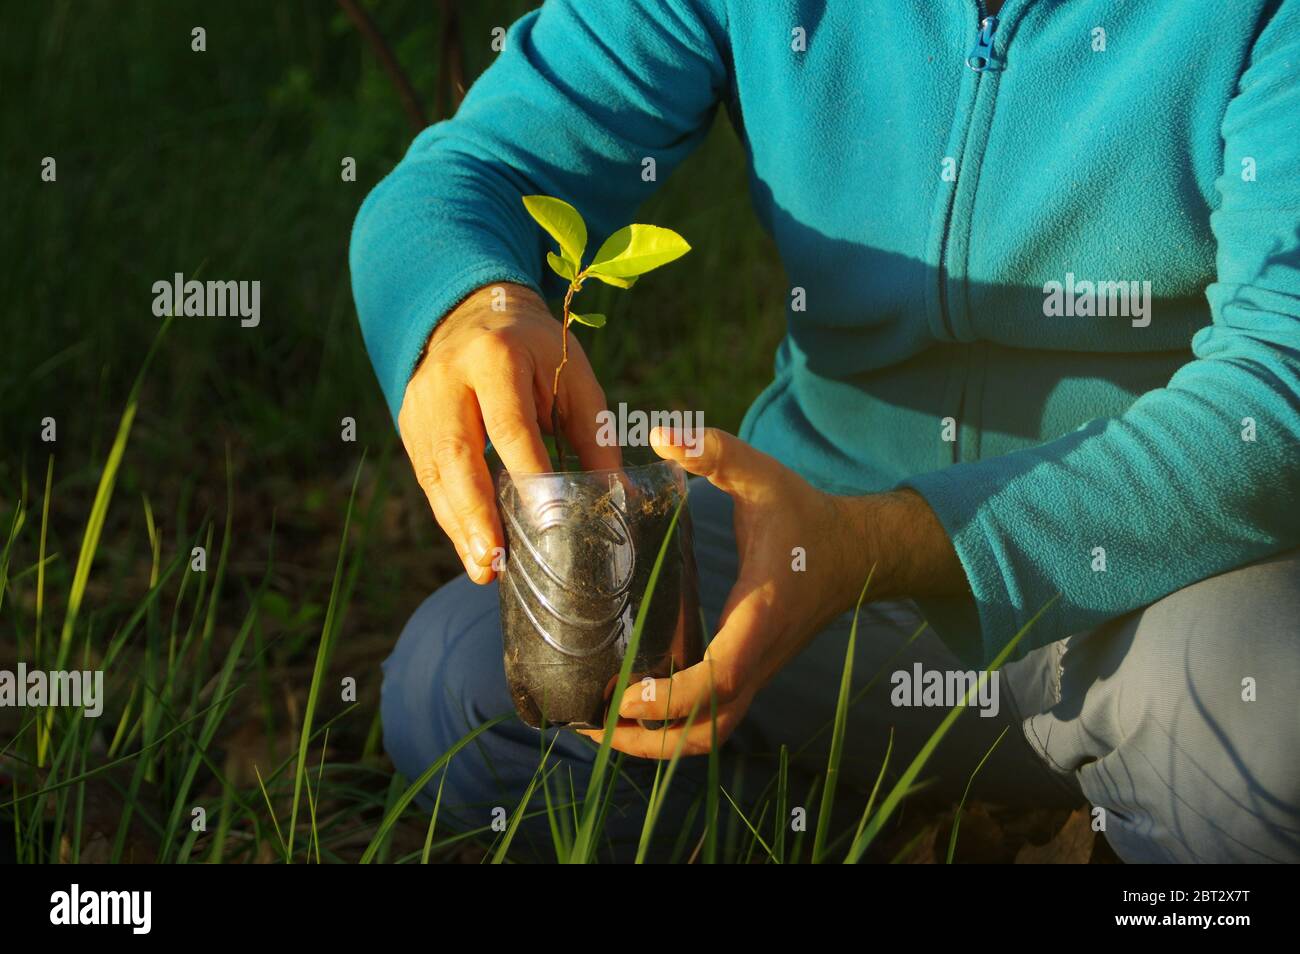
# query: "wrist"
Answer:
x=897 y=539
x=490 y=302
x=864 y=524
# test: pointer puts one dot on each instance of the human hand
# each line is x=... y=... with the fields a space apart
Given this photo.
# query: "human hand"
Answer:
x=780 y=600
x=486 y=374
x=779 y=603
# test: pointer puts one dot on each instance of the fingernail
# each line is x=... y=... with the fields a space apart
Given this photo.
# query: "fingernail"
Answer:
x=666 y=440
x=479 y=549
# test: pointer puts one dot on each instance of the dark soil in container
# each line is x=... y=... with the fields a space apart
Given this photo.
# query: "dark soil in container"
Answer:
x=580 y=548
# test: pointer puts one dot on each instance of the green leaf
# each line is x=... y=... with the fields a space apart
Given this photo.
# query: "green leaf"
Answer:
x=561 y=266
x=635 y=250
x=591 y=321
x=562 y=222
x=611 y=279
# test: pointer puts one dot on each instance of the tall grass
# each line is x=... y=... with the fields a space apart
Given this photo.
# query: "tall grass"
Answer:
x=183 y=673
x=161 y=760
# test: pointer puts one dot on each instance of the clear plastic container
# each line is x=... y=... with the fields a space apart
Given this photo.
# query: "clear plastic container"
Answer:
x=579 y=550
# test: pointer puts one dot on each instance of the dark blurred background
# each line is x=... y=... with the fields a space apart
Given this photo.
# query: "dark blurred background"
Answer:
x=228 y=160
x=226 y=164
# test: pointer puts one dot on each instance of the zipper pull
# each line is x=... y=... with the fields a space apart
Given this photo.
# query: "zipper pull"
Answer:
x=981 y=57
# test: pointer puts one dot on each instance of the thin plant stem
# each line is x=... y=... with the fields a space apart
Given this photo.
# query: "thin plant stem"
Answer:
x=574 y=286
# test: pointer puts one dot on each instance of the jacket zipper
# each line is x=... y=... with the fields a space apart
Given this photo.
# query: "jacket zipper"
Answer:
x=982 y=58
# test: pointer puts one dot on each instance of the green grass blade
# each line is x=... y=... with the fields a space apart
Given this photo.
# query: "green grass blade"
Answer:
x=99 y=506
x=861 y=693
x=838 y=734
x=509 y=836
x=322 y=656
x=284 y=848
x=875 y=789
x=687 y=825
x=394 y=813
x=904 y=783
x=433 y=821
x=107 y=766
x=800 y=835
x=557 y=820
x=755 y=841
x=714 y=782
x=956 y=818
x=216 y=853
x=40 y=561
x=211 y=724
x=660 y=791
x=907 y=848
x=752 y=830
x=607 y=800
x=782 y=804
x=313 y=798
x=584 y=841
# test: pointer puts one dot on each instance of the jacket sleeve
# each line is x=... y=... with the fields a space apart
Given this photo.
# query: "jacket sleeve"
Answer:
x=583 y=93
x=1197 y=477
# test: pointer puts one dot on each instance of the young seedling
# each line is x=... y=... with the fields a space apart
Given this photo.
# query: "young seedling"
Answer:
x=625 y=256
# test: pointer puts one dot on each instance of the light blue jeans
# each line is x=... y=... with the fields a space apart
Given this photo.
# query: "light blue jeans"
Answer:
x=1180 y=721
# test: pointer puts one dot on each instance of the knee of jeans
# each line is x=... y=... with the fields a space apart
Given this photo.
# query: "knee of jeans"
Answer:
x=1228 y=644
x=1204 y=683
x=444 y=676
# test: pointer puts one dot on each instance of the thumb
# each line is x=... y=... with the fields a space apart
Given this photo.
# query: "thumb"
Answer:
x=723 y=459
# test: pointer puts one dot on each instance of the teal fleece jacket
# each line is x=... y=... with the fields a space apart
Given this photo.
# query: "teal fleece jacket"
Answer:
x=941 y=227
